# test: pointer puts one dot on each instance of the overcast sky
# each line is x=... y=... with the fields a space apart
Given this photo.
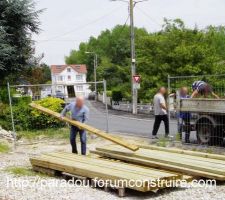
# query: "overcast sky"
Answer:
x=66 y=23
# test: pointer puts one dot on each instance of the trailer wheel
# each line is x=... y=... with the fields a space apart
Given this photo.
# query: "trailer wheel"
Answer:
x=205 y=131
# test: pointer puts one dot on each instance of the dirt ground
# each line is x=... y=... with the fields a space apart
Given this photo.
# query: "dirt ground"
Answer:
x=26 y=149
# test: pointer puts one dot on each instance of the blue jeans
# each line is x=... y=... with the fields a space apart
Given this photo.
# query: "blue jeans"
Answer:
x=83 y=140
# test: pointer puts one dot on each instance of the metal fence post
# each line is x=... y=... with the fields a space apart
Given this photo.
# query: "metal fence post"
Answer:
x=106 y=106
x=168 y=100
x=12 y=118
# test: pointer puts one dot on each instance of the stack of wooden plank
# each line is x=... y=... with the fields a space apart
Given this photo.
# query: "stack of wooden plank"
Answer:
x=196 y=164
x=103 y=169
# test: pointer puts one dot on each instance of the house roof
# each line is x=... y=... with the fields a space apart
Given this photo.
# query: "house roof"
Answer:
x=57 y=69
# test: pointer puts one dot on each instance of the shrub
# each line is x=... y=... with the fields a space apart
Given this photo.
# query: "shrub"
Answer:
x=41 y=120
x=26 y=118
x=21 y=100
x=117 y=95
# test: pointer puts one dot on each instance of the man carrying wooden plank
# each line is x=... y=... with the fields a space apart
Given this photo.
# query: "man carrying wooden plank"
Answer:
x=79 y=112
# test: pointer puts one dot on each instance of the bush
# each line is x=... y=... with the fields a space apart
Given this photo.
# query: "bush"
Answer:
x=26 y=118
x=109 y=93
x=41 y=120
x=21 y=100
x=117 y=95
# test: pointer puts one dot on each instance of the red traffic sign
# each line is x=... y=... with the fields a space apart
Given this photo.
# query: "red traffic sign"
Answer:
x=137 y=78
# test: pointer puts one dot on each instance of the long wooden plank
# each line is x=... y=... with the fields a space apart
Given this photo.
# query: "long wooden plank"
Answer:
x=86 y=127
x=186 y=152
x=103 y=169
x=159 y=165
x=114 y=165
x=206 y=165
x=168 y=159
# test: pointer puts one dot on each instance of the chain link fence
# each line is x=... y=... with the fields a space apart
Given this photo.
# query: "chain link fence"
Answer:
x=67 y=93
x=200 y=119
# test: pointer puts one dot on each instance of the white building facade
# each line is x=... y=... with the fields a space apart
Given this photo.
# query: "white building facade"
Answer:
x=70 y=80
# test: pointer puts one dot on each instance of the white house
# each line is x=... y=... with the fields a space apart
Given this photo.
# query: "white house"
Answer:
x=70 y=80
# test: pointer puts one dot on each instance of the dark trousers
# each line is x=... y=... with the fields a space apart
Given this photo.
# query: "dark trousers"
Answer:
x=83 y=140
x=158 y=119
x=185 y=126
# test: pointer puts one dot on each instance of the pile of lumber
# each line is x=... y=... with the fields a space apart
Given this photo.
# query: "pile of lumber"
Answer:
x=93 y=167
x=191 y=163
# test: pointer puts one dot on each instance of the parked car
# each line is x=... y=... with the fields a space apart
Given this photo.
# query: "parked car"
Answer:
x=60 y=95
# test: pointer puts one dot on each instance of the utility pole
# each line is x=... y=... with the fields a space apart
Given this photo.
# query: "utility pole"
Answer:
x=95 y=73
x=134 y=88
x=133 y=60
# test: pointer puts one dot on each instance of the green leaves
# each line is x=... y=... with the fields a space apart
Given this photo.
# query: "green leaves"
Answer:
x=175 y=50
x=18 y=20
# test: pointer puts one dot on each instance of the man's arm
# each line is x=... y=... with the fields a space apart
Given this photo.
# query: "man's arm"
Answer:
x=163 y=106
x=65 y=110
x=162 y=103
x=194 y=94
x=86 y=115
x=215 y=95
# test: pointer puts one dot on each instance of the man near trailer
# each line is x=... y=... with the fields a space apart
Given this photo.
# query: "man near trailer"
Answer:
x=79 y=112
x=202 y=88
x=184 y=117
x=160 y=111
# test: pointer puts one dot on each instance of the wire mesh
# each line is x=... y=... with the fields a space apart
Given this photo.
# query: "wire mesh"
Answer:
x=200 y=119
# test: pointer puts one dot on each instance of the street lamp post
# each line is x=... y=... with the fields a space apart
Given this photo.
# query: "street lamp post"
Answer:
x=95 y=73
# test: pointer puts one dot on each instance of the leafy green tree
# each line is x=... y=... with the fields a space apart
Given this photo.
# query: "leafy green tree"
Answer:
x=18 y=20
x=174 y=50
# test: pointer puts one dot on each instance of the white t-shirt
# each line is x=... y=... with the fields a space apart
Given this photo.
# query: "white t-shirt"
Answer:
x=158 y=100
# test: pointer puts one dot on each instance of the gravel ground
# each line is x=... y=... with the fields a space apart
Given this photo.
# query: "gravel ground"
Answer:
x=25 y=150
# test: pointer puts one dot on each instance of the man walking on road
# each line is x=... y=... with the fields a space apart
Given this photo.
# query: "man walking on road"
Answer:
x=160 y=111
x=79 y=112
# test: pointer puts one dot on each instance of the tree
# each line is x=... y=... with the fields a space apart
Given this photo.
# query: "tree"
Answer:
x=174 y=50
x=18 y=20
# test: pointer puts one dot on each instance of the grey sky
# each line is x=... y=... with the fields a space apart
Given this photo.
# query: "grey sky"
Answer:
x=66 y=23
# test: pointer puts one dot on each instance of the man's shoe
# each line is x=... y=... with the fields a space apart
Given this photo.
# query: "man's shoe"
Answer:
x=154 y=137
x=169 y=136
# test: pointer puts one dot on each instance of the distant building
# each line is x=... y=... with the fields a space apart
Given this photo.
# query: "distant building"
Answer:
x=70 y=80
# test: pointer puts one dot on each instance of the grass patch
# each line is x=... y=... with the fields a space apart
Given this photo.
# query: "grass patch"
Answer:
x=162 y=142
x=4 y=148
x=23 y=171
x=57 y=133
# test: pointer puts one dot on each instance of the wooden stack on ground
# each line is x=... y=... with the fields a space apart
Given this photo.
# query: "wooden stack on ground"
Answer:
x=92 y=167
x=201 y=165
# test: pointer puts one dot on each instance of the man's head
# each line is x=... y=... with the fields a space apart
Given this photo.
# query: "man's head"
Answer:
x=79 y=102
x=162 y=90
x=183 y=91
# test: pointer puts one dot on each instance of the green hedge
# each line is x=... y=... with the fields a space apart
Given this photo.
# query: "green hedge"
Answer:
x=27 y=118
x=117 y=95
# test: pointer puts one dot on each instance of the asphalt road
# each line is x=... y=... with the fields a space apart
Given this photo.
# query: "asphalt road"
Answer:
x=125 y=123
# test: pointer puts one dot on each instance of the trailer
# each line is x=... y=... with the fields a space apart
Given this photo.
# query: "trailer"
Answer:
x=209 y=119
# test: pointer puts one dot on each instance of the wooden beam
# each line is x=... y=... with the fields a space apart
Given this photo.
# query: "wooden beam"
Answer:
x=86 y=127
x=186 y=152
x=193 y=165
x=104 y=169
x=159 y=165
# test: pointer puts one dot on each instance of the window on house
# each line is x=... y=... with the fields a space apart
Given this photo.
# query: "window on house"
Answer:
x=68 y=69
x=80 y=88
x=69 y=78
x=79 y=77
x=60 y=78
